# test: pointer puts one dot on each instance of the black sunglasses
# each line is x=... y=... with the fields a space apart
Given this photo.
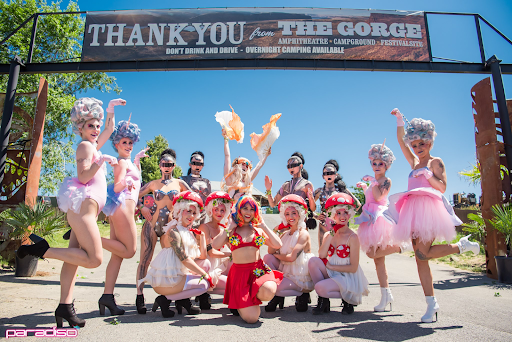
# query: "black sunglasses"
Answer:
x=167 y=164
x=197 y=163
x=291 y=166
x=329 y=173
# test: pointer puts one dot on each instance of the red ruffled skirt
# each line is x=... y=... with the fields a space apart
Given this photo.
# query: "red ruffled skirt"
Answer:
x=244 y=282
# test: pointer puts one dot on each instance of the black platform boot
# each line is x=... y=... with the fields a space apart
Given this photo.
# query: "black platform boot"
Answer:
x=187 y=304
x=324 y=305
x=205 y=301
x=162 y=302
x=301 y=302
x=274 y=302
x=38 y=249
x=141 y=306
x=348 y=309
x=109 y=301
x=67 y=235
x=67 y=312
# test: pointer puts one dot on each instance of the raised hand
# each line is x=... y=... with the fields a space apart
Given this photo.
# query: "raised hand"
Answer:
x=362 y=185
x=106 y=158
x=268 y=183
x=113 y=103
x=141 y=154
x=399 y=117
x=370 y=179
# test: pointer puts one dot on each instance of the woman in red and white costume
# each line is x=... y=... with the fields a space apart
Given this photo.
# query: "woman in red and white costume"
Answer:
x=218 y=207
x=293 y=257
x=336 y=273
x=422 y=213
x=250 y=280
x=180 y=270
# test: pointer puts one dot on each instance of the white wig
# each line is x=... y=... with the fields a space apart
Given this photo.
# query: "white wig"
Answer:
x=85 y=109
x=381 y=152
x=296 y=206
x=332 y=210
x=215 y=203
x=420 y=129
x=184 y=205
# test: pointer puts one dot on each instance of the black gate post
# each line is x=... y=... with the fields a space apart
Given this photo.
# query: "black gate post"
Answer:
x=501 y=100
x=14 y=72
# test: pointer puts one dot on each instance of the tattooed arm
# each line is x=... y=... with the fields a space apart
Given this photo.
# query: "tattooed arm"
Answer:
x=107 y=132
x=178 y=248
x=438 y=181
x=382 y=190
x=85 y=168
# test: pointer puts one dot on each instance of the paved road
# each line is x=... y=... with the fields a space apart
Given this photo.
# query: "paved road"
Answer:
x=471 y=309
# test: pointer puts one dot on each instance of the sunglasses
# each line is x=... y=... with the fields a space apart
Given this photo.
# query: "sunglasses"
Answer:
x=291 y=166
x=197 y=163
x=244 y=162
x=329 y=173
x=167 y=164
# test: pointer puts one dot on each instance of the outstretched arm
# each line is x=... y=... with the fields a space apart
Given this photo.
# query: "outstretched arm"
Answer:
x=271 y=200
x=260 y=165
x=400 y=133
x=227 y=156
x=109 y=122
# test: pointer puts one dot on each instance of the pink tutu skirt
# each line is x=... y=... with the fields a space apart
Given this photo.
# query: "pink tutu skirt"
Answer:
x=422 y=213
x=72 y=193
x=374 y=229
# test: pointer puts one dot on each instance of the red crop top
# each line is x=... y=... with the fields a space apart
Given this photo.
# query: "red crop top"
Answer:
x=343 y=251
x=236 y=241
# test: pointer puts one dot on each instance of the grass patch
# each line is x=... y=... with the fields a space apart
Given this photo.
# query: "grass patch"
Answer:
x=466 y=261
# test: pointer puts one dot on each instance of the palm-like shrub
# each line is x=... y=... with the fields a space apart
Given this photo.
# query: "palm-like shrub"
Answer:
x=502 y=222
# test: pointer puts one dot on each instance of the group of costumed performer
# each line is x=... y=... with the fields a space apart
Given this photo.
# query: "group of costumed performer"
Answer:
x=82 y=198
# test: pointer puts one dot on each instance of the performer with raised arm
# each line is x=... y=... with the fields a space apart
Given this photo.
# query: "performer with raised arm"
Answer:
x=250 y=280
x=336 y=273
x=164 y=190
x=422 y=213
x=180 y=270
x=82 y=198
x=292 y=258
x=122 y=198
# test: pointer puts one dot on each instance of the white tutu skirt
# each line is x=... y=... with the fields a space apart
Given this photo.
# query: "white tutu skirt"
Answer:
x=374 y=229
x=422 y=213
x=297 y=271
x=219 y=266
x=166 y=270
x=353 y=286
x=114 y=200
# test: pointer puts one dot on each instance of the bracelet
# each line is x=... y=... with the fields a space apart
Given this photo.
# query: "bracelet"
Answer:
x=268 y=192
x=227 y=231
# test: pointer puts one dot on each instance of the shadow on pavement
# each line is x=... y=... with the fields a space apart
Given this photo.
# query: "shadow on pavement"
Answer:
x=466 y=279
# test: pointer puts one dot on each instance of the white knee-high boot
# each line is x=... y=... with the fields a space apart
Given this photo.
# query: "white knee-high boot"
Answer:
x=385 y=299
x=432 y=309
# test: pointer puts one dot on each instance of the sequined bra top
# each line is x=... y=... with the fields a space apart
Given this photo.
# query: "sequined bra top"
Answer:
x=342 y=251
x=236 y=241
x=159 y=194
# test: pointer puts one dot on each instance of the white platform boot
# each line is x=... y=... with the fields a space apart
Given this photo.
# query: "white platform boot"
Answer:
x=432 y=309
x=385 y=299
x=468 y=246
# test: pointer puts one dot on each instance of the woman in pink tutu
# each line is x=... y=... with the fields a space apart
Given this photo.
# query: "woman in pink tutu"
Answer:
x=122 y=198
x=422 y=213
x=82 y=198
x=336 y=272
x=375 y=231
x=218 y=207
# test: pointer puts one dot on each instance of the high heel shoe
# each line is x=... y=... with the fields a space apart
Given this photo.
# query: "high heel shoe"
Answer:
x=385 y=299
x=348 y=309
x=301 y=302
x=187 y=304
x=274 y=302
x=234 y=312
x=468 y=246
x=107 y=300
x=162 y=302
x=38 y=249
x=67 y=235
x=432 y=309
x=141 y=306
x=67 y=312
x=204 y=301
x=324 y=305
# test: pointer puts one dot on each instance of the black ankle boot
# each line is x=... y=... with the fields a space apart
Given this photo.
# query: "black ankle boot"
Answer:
x=324 y=305
x=204 y=301
x=301 y=302
x=187 y=304
x=234 y=312
x=162 y=302
x=67 y=235
x=109 y=301
x=67 y=311
x=141 y=306
x=348 y=309
x=38 y=249
x=274 y=302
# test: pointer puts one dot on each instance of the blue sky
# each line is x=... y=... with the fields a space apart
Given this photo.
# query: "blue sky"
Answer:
x=326 y=114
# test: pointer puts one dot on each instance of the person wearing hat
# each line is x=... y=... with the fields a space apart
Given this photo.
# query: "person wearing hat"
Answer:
x=336 y=272
x=195 y=181
x=180 y=270
x=292 y=258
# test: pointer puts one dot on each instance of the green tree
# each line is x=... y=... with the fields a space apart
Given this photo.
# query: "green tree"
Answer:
x=359 y=194
x=151 y=165
x=59 y=39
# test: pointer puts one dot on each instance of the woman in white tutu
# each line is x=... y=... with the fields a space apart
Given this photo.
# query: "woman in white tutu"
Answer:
x=82 y=198
x=422 y=213
x=218 y=208
x=293 y=257
x=180 y=270
x=336 y=273
x=122 y=197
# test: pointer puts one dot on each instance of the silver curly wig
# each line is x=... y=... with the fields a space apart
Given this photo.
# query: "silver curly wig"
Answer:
x=125 y=129
x=420 y=129
x=380 y=152
x=85 y=109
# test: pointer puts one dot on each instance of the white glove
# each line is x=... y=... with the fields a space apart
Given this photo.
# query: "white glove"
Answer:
x=399 y=117
x=113 y=103
x=141 y=154
x=370 y=179
x=362 y=185
x=106 y=158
